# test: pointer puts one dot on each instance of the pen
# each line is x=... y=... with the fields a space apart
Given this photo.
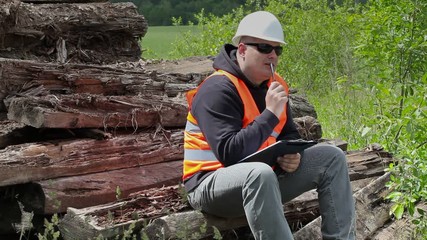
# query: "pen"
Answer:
x=272 y=71
x=272 y=75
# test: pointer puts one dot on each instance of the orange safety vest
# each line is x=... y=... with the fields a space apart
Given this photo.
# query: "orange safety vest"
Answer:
x=198 y=155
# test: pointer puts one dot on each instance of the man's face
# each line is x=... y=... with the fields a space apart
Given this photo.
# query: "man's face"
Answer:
x=254 y=61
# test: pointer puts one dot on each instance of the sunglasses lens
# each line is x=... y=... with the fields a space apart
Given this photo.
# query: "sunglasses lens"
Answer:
x=266 y=48
x=278 y=50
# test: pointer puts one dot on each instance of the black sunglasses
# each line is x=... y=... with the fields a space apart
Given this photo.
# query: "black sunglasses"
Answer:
x=266 y=48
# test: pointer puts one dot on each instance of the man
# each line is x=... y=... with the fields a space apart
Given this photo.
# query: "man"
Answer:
x=240 y=109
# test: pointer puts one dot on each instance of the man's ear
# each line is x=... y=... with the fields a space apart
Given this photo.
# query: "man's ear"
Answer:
x=241 y=49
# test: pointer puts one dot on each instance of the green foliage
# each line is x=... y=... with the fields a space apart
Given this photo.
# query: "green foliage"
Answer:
x=161 y=13
x=51 y=231
x=214 y=32
x=394 y=48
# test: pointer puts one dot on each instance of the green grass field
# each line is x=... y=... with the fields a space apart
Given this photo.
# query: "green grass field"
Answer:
x=157 y=43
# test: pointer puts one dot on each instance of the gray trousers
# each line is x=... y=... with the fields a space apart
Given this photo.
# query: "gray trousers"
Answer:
x=255 y=190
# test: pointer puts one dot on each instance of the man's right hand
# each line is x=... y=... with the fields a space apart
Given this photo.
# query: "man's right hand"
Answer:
x=276 y=98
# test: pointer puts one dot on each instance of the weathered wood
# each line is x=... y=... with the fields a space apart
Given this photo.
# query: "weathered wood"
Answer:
x=343 y=145
x=104 y=219
x=95 y=111
x=301 y=107
x=10 y=134
x=8 y=10
x=372 y=211
x=371 y=163
x=100 y=188
x=94 y=33
x=187 y=223
x=60 y=158
x=24 y=77
x=400 y=229
x=308 y=126
x=14 y=133
x=183 y=223
x=195 y=68
x=170 y=78
x=298 y=211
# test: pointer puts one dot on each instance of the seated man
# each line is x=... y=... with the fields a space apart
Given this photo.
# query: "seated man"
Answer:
x=240 y=109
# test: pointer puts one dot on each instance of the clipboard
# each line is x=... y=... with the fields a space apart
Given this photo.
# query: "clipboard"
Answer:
x=279 y=148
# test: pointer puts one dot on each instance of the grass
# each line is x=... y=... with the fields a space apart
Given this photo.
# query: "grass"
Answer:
x=157 y=43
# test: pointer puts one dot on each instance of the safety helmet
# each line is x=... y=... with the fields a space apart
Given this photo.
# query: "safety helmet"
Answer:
x=261 y=24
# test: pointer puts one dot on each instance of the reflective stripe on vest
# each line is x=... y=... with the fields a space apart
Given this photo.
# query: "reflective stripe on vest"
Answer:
x=198 y=155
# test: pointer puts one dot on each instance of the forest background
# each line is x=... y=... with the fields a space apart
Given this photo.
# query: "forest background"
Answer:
x=363 y=64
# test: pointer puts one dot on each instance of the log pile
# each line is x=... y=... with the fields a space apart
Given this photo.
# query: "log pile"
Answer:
x=175 y=217
x=79 y=145
x=73 y=131
x=99 y=32
x=89 y=129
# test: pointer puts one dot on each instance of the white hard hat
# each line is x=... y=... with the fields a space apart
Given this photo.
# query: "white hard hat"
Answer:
x=261 y=24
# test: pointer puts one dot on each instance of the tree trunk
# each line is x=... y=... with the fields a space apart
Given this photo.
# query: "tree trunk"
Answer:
x=99 y=188
x=49 y=160
x=95 y=111
x=29 y=78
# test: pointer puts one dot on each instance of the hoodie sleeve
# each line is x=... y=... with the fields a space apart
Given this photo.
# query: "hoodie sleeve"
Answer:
x=219 y=112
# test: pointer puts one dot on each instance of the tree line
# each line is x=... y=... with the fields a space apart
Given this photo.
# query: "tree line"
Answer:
x=161 y=12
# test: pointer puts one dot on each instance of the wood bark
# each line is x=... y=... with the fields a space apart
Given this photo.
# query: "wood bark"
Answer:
x=371 y=208
x=95 y=111
x=301 y=107
x=308 y=126
x=99 y=188
x=30 y=78
x=400 y=229
x=92 y=33
x=11 y=133
x=60 y=158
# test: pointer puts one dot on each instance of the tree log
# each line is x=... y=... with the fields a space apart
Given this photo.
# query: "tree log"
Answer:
x=400 y=229
x=299 y=210
x=156 y=202
x=95 y=111
x=300 y=106
x=170 y=78
x=21 y=77
x=308 y=126
x=92 y=33
x=372 y=211
x=11 y=133
x=48 y=160
x=100 y=188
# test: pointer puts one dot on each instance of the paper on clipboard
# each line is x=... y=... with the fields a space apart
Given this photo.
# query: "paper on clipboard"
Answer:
x=279 y=148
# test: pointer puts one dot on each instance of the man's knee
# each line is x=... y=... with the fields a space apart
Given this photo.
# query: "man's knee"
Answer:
x=262 y=173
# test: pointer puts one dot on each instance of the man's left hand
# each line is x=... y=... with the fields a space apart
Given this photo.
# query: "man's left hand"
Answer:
x=289 y=162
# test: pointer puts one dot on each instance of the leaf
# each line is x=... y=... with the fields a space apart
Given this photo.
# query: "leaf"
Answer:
x=397 y=210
